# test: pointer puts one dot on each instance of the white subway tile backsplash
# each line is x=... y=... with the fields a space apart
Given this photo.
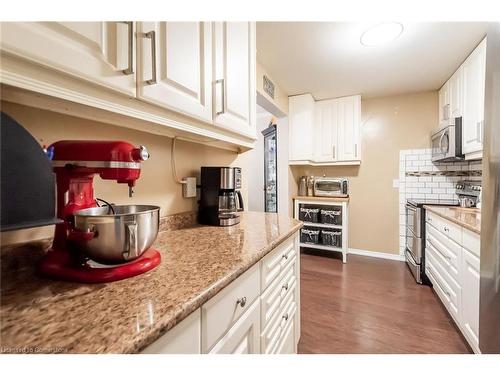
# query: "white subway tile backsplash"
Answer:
x=428 y=187
x=447 y=196
x=446 y=185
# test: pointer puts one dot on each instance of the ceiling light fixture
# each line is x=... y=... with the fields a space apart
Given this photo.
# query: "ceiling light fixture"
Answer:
x=381 y=34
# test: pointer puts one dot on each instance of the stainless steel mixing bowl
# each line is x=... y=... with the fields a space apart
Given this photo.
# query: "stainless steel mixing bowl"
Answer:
x=121 y=236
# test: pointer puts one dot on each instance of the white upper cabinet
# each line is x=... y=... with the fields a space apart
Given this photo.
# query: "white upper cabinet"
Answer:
x=99 y=52
x=234 y=93
x=301 y=127
x=455 y=94
x=175 y=66
x=444 y=104
x=326 y=132
x=192 y=78
x=473 y=101
x=349 y=124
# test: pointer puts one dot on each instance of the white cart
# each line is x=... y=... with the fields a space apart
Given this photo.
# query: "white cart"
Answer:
x=338 y=204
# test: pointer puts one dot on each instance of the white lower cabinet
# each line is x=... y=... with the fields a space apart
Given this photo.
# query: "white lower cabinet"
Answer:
x=452 y=264
x=259 y=312
x=470 y=293
x=184 y=338
x=243 y=337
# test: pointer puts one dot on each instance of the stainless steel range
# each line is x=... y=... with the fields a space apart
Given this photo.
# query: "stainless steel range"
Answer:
x=415 y=234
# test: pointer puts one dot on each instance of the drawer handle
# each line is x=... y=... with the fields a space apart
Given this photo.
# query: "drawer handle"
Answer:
x=285 y=286
x=242 y=301
x=443 y=289
x=285 y=256
x=446 y=229
x=439 y=251
x=285 y=317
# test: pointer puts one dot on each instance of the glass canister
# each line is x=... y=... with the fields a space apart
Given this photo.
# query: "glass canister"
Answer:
x=303 y=186
x=310 y=186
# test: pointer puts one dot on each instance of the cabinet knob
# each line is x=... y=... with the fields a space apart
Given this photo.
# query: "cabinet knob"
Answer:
x=446 y=229
x=285 y=286
x=242 y=301
x=285 y=256
x=285 y=316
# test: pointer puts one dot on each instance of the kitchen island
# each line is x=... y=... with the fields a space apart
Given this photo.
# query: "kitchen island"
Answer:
x=40 y=315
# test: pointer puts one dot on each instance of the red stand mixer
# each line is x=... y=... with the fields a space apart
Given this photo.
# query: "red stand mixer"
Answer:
x=75 y=163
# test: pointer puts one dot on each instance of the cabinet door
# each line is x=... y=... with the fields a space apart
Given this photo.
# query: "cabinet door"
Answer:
x=234 y=76
x=473 y=100
x=184 y=338
x=455 y=94
x=99 y=52
x=444 y=104
x=301 y=127
x=325 y=132
x=470 y=298
x=176 y=73
x=243 y=337
x=349 y=118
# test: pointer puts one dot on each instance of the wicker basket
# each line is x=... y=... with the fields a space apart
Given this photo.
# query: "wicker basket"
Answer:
x=309 y=214
x=331 y=238
x=311 y=236
x=332 y=216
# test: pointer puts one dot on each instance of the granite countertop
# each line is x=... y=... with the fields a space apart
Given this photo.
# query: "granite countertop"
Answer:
x=469 y=218
x=327 y=199
x=42 y=315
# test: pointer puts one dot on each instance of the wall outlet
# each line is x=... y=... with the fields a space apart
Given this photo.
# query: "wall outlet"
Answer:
x=189 y=187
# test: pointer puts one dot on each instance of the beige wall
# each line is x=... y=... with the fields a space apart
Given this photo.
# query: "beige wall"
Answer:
x=280 y=97
x=156 y=185
x=390 y=124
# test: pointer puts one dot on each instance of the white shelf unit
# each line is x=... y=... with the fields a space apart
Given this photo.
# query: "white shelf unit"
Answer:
x=343 y=227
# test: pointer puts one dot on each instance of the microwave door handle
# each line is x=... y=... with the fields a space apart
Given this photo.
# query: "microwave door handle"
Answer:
x=441 y=142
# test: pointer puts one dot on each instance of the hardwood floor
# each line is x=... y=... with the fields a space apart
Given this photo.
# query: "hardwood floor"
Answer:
x=370 y=305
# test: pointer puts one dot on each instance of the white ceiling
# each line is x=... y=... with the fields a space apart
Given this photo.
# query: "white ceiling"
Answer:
x=327 y=59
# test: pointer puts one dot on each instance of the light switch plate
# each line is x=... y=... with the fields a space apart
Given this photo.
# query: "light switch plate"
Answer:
x=189 y=187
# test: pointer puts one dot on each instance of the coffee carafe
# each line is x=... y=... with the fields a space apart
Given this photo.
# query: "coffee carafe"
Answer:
x=220 y=197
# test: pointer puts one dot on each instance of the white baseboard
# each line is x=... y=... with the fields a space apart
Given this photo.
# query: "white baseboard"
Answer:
x=376 y=254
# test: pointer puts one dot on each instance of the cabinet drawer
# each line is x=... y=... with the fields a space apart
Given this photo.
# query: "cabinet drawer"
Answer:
x=277 y=292
x=447 y=289
x=472 y=242
x=220 y=313
x=444 y=226
x=447 y=251
x=270 y=338
x=287 y=340
x=274 y=262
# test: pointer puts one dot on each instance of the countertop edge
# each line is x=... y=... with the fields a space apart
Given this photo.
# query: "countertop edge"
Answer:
x=452 y=219
x=207 y=294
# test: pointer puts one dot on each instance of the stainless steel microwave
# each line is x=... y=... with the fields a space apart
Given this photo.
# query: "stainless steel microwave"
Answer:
x=331 y=187
x=446 y=143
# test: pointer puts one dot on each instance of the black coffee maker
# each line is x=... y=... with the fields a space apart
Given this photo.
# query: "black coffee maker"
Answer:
x=220 y=197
